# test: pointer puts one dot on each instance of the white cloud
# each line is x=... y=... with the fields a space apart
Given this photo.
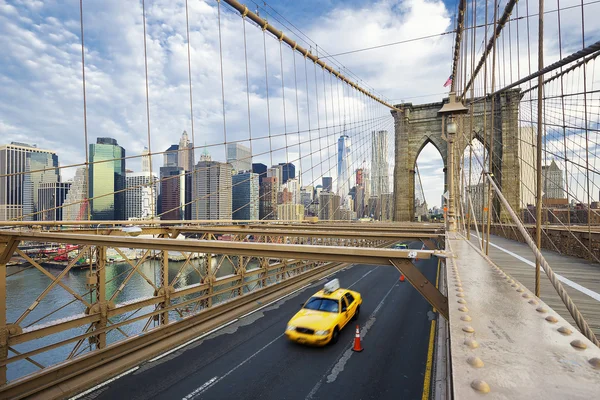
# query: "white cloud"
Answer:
x=42 y=94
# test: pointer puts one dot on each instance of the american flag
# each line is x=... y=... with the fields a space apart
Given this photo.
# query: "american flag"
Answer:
x=449 y=81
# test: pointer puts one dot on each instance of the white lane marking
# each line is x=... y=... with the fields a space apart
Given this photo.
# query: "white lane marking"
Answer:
x=213 y=381
x=104 y=383
x=361 y=278
x=231 y=322
x=341 y=362
x=204 y=387
x=192 y=341
x=201 y=388
x=574 y=285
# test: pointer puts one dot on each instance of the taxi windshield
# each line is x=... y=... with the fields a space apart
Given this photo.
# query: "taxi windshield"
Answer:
x=320 y=304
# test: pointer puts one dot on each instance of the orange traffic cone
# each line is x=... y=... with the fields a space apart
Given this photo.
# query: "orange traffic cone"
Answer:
x=401 y=277
x=357 y=346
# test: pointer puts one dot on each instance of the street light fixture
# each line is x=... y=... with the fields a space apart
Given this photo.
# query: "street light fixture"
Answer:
x=450 y=109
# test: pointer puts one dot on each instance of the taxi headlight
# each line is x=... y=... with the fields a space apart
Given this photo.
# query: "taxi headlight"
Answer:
x=291 y=328
x=322 y=333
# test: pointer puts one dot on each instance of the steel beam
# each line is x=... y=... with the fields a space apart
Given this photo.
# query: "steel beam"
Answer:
x=422 y=284
x=8 y=246
x=280 y=251
x=312 y=233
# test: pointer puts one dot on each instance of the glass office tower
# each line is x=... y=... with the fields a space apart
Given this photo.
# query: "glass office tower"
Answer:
x=107 y=178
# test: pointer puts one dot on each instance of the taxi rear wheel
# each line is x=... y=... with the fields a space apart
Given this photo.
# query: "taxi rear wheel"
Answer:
x=335 y=336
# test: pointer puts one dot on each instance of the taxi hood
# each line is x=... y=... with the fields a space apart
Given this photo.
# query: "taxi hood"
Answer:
x=313 y=319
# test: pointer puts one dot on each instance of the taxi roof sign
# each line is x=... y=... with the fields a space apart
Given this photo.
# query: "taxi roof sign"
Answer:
x=331 y=286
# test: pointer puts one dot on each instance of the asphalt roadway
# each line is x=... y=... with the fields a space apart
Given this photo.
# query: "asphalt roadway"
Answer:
x=252 y=358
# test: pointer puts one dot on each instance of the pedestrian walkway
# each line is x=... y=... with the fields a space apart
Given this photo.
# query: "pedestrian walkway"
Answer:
x=580 y=278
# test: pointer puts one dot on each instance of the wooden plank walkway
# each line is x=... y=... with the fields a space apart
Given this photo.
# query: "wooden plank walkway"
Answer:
x=580 y=272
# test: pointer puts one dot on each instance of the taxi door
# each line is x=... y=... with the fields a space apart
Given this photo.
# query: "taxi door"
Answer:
x=352 y=304
x=346 y=314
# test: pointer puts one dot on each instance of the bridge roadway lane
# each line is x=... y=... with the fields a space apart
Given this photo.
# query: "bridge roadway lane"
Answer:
x=252 y=359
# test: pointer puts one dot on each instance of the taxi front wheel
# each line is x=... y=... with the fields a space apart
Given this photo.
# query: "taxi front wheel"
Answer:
x=335 y=336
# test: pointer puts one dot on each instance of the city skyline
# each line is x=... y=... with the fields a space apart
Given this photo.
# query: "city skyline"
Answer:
x=553 y=184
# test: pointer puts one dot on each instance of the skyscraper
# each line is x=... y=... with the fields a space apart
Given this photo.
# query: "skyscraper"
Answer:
x=379 y=163
x=306 y=196
x=75 y=206
x=293 y=186
x=290 y=212
x=359 y=204
x=185 y=157
x=329 y=206
x=35 y=163
x=327 y=183
x=19 y=193
x=244 y=196
x=211 y=191
x=554 y=182
x=140 y=197
x=261 y=170
x=145 y=160
x=107 y=195
x=239 y=156
x=343 y=167
x=51 y=197
x=359 y=177
x=268 y=198
x=275 y=172
x=387 y=205
x=175 y=194
x=171 y=156
x=288 y=171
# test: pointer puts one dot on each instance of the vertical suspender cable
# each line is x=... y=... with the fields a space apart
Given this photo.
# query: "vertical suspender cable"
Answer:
x=187 y=27
x=152 y=206
x=585 y=117
x=85 y=132
x=492 y=130
x=222 y=75
x=309 y=126
x=562 y=104
x=540 y=116
x=485 y=131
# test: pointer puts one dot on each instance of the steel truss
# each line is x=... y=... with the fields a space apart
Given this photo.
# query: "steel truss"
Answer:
x=263 y=258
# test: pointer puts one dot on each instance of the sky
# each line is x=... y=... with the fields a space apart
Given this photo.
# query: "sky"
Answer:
x=41 y=99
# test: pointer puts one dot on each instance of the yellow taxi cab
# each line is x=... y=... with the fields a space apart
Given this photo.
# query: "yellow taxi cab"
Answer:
x=323 y=316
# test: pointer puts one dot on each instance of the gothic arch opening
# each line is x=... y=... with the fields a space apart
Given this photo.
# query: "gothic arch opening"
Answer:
x=429 y=183
x=473 y=190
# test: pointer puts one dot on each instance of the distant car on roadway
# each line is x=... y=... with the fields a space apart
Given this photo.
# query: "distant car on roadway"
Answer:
x=323 y=316
x=400 y=246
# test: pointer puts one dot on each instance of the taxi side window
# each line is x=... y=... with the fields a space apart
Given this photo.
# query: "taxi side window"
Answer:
x=344 y=306
x=349 y=297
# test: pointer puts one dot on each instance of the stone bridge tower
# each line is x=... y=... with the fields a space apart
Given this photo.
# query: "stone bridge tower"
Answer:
x=417 y=125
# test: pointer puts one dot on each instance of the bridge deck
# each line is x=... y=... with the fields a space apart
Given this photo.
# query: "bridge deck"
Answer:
x=251 y=358
x=502 y=342
x=581 y=278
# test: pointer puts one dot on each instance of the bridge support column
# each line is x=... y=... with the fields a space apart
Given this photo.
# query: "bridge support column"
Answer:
x=404 y=182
